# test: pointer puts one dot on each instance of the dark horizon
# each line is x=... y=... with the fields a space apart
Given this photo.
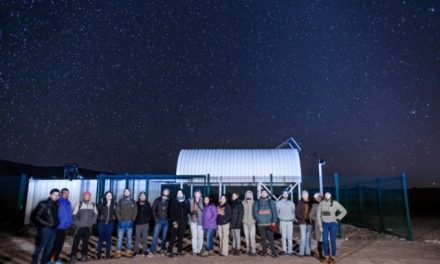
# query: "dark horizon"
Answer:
x=124 y=86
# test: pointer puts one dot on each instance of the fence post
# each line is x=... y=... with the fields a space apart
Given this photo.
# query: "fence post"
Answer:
x=336 y=177
x=20 y=202
x=209 y=185
x=379 y=205
x=271 y=184
x=361 y=204
x=407 y=212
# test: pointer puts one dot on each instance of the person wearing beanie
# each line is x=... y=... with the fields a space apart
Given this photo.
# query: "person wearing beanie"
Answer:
x=286 y=215
x=45 y=216
x=126 y=212
x=317 y=234
x=85 y=215
x=329 y=213
x=249 y=223
x=266 y=215
x=179 y=212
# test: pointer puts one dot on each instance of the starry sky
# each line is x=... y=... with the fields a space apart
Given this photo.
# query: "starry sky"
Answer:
x=122 y=86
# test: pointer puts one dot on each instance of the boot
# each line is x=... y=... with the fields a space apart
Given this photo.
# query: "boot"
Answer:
x=233 y=252
x=321 y=256
x=129 y=254
x=326 y=260
x=332 y=260
x=238 y=252
x=118 y=254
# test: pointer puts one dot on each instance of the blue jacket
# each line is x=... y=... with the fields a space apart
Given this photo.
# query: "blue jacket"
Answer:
x=65 y=214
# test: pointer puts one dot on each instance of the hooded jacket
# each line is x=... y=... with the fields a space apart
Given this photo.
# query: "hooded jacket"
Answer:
x=237 y=214
x=126 y=210
x=144 y=213
x=85 y=214
x=209 y=217
x=248 y=207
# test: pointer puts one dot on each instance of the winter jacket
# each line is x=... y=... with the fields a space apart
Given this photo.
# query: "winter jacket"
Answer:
x=106 y=213
x=224 y=214
x=46 y=214
x=302 y=212
x=144 y=213
x=126 y=210
x=85 y=214
x=209 y=217
x=285 y=210
x=160 y=208
x=179 y=211
x=196 y=211
x=327 y=212
x=248 y=210
x=317 y=234
x=237 y=214
x=65 y=214
x=265 y=212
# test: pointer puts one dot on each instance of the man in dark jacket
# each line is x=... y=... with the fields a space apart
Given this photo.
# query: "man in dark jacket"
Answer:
x=236 y=223
x=142 y=223
x=66 y=221
x=224 y=214
x=126 y=212
x=46 y=218
x=302 y=213
x=265 y=213
x=179 y=212
x=160 y=214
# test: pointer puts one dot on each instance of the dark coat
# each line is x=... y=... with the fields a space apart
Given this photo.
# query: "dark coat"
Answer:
x=144 y=213
x=302 y=212
x=46 y=214
x=226 y=218
x=106 y=214
x=237 y=214
x=179 y=211
x=161 y=208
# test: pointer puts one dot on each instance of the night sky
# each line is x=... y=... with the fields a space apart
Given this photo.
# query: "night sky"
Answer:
x=122 y=87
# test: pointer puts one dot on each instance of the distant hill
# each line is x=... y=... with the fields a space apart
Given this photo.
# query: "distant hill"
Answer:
x=9 y=168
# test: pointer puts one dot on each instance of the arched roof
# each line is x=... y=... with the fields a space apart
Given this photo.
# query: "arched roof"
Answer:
x=239 y=162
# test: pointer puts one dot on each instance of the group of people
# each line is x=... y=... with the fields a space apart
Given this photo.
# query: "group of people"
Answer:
x=172 y=216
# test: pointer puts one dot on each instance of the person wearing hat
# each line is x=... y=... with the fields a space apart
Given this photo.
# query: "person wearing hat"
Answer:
x=85 y=214
x=317 y=234
x=45 y=216
x=286 y=215
x=329 y=213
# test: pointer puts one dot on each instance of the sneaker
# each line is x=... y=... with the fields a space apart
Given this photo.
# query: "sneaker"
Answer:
x=180 y=253
x=283 y=253
x=146 y=253
x=162 y=252
x=274 y=255
x=253 y=254
x=84 y=259
x=171 y=255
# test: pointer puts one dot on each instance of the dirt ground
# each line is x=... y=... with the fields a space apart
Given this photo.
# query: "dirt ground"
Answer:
x=358 y=246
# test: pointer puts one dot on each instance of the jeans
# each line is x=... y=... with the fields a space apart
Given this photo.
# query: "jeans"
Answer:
x=141 y=232
x=81 y=233
x=44 y=244
x=160 y=227
x=210 y=233
x=249 y=235
x=223 y=235
x=105 y=235
x=332 y=230
x=236 y=239
x=196 y=237
x=286 y=229
x=125 y=227
x=306 y=239
x=266 y=232
x=59 y=243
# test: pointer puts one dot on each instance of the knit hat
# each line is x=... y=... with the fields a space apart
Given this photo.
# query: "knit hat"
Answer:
x=316 y=195
x=87 y=193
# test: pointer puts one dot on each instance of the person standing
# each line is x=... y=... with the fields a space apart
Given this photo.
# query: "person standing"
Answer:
x=236 y=223
x=126 y=212
x=85 y=215
x=142 y=223
x=317 y=234
x=286 y=215
x=106 y=217
x=266 y=215
x=249 y=223
x=209 y=224
x=224 y=214
x=329 y=213
x=161 y=216
x=179 y=212
x=66 y=221
x=45 y=216
x=196 y=222
x=305 y=225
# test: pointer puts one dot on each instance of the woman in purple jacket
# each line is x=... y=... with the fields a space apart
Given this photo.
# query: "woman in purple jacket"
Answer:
x=209 y=224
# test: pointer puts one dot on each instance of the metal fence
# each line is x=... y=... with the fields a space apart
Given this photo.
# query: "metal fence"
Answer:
x=381 y=205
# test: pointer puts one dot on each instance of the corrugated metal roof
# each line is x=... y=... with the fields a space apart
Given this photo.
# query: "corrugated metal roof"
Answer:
x=239 y=162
